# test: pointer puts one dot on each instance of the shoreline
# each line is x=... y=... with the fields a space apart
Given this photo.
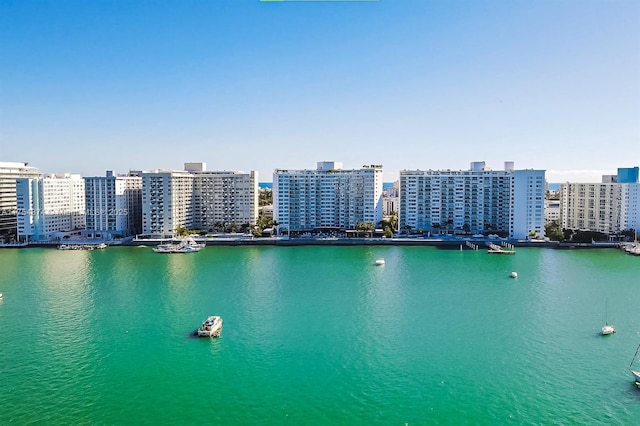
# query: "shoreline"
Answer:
x=445 y=243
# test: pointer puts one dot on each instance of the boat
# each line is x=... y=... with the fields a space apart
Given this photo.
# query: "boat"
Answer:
x=82 y=246
x=496 y=249
x=211 y=327
x=186 y=245
x=635 y=373
x=379 y=262
x=608 y=328
x=514 y=275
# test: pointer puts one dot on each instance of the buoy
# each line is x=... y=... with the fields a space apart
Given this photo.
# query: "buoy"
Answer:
x=514 y=275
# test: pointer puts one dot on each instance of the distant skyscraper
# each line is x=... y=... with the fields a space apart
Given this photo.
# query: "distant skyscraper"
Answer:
x=328 y=198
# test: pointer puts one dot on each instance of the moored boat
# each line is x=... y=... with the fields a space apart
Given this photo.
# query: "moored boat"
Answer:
x=187 y=245
x=608 y=328
x=211 y=327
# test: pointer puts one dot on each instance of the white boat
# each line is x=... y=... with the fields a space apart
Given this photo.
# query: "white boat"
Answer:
x=187 y=245
x=514 y=275
x=380 y=262
x=211 y=327
x=608 y=328
x=496 y=249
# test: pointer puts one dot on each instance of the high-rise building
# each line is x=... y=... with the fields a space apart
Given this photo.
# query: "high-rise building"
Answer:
x=9 y=172
x=50 y=207
x=608 y=207
x=590 y=207
x=478 y=200
x=224 y=199
x=327 y=198
x=113 y=205
x=167 y=202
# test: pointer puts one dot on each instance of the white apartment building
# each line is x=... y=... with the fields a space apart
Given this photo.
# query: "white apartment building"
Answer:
x=551 y=211
x=527 y=204
x=328 y=198
x=630 y=206
x=590 y=207
x=473 y=201
x=222 y=198
x=113 y=205
x=391 y=199
x=9 y=172
x=50 y=206
x=608 y=207
x=167 y=202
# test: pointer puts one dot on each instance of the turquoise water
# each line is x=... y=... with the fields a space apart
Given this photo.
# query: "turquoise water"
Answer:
x=318 y=335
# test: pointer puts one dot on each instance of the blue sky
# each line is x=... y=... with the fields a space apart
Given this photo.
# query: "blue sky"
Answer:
x=89 y=86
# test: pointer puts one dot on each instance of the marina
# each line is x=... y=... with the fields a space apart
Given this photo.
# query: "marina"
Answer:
x=320 y=335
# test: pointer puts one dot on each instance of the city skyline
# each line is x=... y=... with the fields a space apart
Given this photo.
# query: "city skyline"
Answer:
x=249 y=85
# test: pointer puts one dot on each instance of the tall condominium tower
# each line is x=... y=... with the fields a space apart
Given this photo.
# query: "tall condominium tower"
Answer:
x=327 y=198
x=50 y=206
x=473 y=201
x=167 y=202
x=222 y=198
x=113 y=205
x=9 y=172
x=608 y=207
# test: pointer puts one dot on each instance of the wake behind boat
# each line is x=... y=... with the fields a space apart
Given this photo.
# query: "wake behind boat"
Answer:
x=186 y=245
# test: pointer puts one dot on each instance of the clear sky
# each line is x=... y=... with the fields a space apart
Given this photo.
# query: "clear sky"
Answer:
x=89 y=86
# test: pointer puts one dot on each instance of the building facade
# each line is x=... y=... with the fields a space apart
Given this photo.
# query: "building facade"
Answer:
x=478 y=200
x=609 y=207
x=167 y=202
x=9 y=172
x=391 y=199
x=328 y=198
x=113 y=205
x=225 y=198
x=50 y=207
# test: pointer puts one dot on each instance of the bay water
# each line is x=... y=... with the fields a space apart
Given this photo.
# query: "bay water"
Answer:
x=318 y=335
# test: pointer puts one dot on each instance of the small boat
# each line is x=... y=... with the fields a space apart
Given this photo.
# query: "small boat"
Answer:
x=608 y=328
x=0 y=296
x=379 y=262
x=514 y=275
x=496 y=249
x=211 y=327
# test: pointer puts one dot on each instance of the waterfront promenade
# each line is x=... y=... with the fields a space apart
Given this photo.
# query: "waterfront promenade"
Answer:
x=447 y=242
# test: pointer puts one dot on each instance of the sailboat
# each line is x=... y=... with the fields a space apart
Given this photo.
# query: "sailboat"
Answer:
x=636 y=374
x=608 y=328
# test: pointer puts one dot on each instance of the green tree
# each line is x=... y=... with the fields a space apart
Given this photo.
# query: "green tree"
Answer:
x=182 y=231
x=553 y=232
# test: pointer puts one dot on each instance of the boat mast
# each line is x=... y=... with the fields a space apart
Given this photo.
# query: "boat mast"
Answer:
x=634 y=356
